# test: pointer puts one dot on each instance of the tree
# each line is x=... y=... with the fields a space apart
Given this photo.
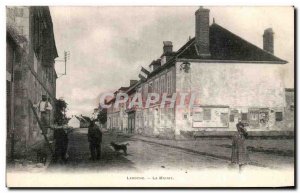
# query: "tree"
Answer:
x=102 y=116
x=60 y=117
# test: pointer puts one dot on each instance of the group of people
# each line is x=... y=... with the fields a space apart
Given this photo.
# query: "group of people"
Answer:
x=61 y=142
x=61 y=131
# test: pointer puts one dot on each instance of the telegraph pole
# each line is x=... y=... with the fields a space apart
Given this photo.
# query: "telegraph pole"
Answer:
x=65 y=59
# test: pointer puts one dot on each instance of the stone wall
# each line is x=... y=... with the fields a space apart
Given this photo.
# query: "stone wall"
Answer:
x=30 y=81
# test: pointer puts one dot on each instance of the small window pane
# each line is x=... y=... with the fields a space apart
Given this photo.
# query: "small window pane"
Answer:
x=278 y=116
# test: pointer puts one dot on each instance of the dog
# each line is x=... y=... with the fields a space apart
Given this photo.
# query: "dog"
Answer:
x=118 y=147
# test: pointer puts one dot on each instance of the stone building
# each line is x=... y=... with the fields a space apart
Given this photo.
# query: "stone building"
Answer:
x=233 y=79
x=31 y=51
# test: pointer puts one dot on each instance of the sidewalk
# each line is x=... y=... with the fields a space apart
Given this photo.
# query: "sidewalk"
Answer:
x=263 y=152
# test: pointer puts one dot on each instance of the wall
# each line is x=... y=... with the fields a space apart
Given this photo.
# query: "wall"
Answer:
x=30 y=81
x=239 y=86
x=157 y=121
x=290 y=109
x=18 y=17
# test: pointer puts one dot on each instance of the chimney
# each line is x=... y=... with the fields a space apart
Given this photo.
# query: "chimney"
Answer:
x=268 y=39
x=202 y=32
x=168 y=47
x=133 y=82
x=155 y=64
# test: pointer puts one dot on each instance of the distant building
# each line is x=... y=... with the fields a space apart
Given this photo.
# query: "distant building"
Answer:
x=117 y=117
x=84 y=121
x=31 y=51
x=233 y=79
x=74 y=122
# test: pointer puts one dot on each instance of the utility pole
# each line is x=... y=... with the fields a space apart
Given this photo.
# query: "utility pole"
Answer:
x=65 y=59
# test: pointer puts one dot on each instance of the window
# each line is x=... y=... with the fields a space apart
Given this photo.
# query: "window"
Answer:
x=244 y=116
x=162 y=80
x=158 y=116
x=159 y=90
x=169 y=117
x=169 y=83
x=162 y=117
x=278 y=116
x=150 y=87
x=150 y=118
x=207 y=114
x=231 y=118
x=185 y=116
x=157 y=86
x=145 y=117
x=145 y=90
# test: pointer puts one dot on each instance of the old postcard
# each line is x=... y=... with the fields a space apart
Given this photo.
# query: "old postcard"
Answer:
x=196 y=96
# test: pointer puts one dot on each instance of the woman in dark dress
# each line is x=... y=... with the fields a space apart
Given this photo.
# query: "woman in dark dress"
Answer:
x=239 y=149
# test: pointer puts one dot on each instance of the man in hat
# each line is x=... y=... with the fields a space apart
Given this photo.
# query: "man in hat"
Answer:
x=44 y=107
x=95 y=139
x=61 y=143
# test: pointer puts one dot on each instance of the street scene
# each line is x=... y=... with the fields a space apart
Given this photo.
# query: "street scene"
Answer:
x=148 y=153
x=90 y=90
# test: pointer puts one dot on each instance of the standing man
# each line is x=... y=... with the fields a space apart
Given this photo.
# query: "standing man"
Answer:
x=61 y=143
x=95 y=139
x=44 y=107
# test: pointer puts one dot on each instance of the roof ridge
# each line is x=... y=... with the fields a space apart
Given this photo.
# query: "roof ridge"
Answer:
x=237 y=36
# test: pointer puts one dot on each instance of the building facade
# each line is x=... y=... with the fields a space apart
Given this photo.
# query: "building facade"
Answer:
x=31 y=51
x=290 y=108
x=232 y=79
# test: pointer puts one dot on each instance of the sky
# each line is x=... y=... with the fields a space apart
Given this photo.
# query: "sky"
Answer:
x=108 y=45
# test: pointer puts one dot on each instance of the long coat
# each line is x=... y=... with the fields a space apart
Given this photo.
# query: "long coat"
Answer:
x=94 y=135
x=239 y=150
